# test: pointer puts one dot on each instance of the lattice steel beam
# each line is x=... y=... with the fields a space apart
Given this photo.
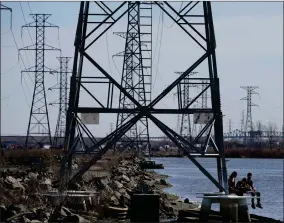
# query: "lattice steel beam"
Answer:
x=137 y=72
x=62 y=101
x=39 y=120
x=206 y=41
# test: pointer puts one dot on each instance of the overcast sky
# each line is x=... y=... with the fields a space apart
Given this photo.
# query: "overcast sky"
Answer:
x=249 y=38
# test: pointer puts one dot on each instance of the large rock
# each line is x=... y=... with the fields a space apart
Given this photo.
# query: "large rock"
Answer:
x=186 y=200
x=13 y=183
x=126 y=195
x=131 y=184
x=107 y=190
x=46 y=185
x=117 y=185
x=117 y=194
x=114 y=200
x=18 y=208
x=26 y=219
x=125 y=178
x=163 y=182
x=33 y=176
x=122 y=191
x=104 y=182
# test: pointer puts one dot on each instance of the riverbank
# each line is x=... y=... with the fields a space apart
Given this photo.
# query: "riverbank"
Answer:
x=274 y=153
x=187 y=181
x=114 y=179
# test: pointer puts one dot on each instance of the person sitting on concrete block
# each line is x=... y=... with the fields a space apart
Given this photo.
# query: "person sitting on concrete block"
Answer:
x=253 y=192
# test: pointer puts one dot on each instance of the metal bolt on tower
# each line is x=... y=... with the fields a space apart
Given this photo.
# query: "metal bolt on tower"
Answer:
x=62 y=101
x=85 y=38
x=39 y=120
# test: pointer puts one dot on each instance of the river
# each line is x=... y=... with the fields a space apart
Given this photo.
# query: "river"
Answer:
x=187 y=180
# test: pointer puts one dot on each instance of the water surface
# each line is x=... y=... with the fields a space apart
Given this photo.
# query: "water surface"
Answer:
x=187 y=180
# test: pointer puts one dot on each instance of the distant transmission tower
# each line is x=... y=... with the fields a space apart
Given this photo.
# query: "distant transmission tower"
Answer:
x=184 y=95
x=204 y=96
x=137 y=71
x=243 y=121
x=62 y=101
x=248 y=98
x=230 y=125
x=39 y=120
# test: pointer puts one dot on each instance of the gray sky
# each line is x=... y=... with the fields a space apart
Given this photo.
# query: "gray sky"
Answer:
x=249 y=38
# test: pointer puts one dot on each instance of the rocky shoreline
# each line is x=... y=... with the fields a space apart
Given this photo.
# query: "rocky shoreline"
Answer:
x=113 y=179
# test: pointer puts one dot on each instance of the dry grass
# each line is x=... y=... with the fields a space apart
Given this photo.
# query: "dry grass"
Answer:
x=24 y=157
x=255 y=153
x=234 y=153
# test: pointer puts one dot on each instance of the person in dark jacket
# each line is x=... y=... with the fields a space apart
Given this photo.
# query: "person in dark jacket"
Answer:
x=232 y=183
x=253 y=192
x=242 y=187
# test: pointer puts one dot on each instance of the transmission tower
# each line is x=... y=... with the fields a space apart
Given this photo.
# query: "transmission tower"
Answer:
x=230 y=125
x=3 y=7
x=62 y=101
x=204 y=96
x=184 y=95
x=39 y=120
x=212 y=116
x=249 y=123
x=136 y=74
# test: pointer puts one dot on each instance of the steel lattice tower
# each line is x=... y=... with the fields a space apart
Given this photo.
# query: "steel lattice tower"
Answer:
x=62 y=101
x=136 y=74
x=39 y=120
x=86 y=36
x=204 y=97
x=249 y=123
x=183 y=92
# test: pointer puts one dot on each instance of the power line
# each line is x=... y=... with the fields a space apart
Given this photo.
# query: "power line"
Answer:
x=24 y=43
x=10 y=68
x=108 y=54
x=160 y=43
x=19 y=63
x=6 y=46
x=175 y=18
x=30 y=7
x=26 y=22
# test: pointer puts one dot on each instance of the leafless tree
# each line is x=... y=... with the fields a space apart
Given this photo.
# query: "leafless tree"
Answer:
x=259 y=126
x=271 y=129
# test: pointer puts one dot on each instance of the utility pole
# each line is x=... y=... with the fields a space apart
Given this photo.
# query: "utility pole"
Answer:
x=39 y=120
x=137 y=71
x=62 y=101
x=249 y=123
